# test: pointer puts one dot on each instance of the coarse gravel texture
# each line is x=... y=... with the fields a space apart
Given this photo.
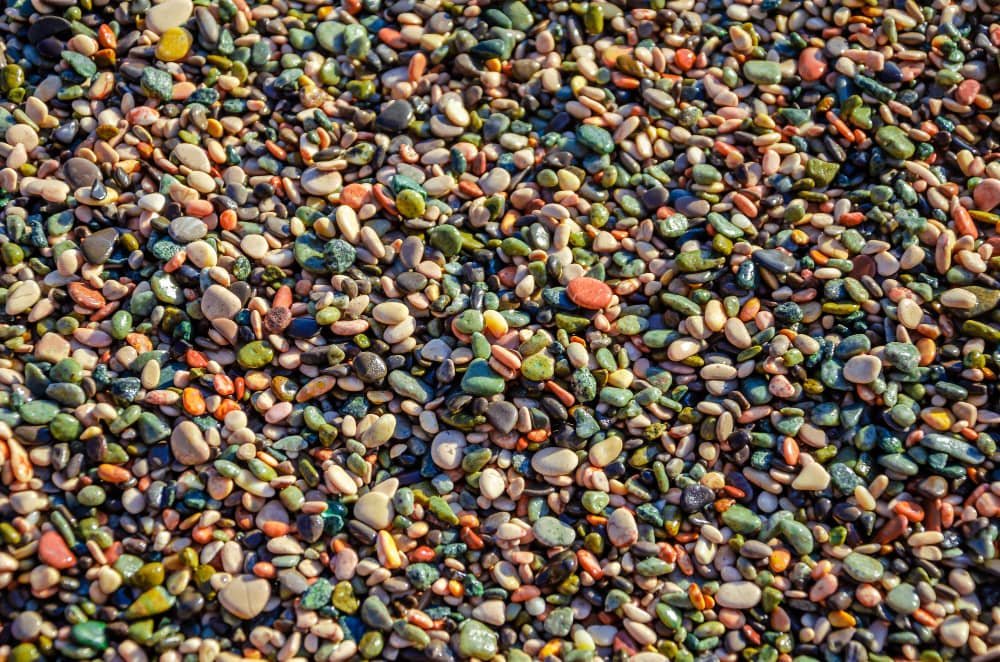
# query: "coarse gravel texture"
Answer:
x=499 y=330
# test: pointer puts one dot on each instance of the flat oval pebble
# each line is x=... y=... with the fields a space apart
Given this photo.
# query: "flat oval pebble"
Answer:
x=554 y=461
x=589 y=293
x=738 y=595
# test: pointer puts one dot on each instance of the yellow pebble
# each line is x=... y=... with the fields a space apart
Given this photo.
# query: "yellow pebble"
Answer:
x=841 y=619
x=621 y=378
x=550 y=649
x=174 y=45
x=214 y=128
x=388 y=552
x=495 y=323
x=938 y=418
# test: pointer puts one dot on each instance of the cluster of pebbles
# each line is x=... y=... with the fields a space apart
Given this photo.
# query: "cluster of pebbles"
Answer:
x=499 y=330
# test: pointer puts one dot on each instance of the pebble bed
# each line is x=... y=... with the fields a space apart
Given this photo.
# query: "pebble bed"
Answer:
x=513 y=330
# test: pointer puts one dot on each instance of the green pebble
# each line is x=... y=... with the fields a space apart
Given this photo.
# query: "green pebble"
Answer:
x=903 y=599
x=798 y=536
x=596 y=138
x=863 y=568
x=410 y=204
x=446 y=239
x=422 y=575
x=151 y=603
x=762 y=72
x=477 y=640
x=479 y=379
x=91 y=634
x=550 y=532
x=157 y=83
x=895 y=142
x=538 y=367
x=256 y=354
x=741 y=519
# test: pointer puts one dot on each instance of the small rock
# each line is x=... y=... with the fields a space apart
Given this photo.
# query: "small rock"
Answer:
x=623 y=531
x=53 y=551
x=188 y=444
x=245 y=596
x=219 y=302
x=168 y=14
x=589 y=293
x=374 y=509
x=862 y=369
x=554 y=461
x=812 y=478
x=954 y=631
x=738 y=595
x=986 y=195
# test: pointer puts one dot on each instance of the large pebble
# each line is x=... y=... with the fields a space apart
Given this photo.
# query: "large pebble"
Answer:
x=554 y=461
x=245 y=596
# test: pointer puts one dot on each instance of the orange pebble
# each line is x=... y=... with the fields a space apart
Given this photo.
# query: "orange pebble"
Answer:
x=106 y=37
x=910 y=510
x=195 y=359
x=417 y=66
x=274 y=528
x=684 y=58
x=193 y=401
x=202 y=534
x=200 y=208
x=524 y=593
x=228 y=220
x=354 y=195
x=422 y=554
x=111 y=473
x=283 y=297
x=780 y=560
x=420 y=619
x=224 y=408
x=265 y=570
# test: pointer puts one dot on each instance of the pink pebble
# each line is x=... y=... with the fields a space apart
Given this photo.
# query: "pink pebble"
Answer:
x=780 y=387
x=987 y=194
x=278 y=412
x=967 y=91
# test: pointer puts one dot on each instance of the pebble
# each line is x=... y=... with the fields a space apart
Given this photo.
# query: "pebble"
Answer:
x=623 y=530
x=187 y=442
x=589 y=293
x=218 y=302
x=168 y=14
x=738 y=595
x=987 y=194
x=554 y=461
x=21 y=297
x=53 y=551
x=245 y=596
x=812 y=65
x=862 y=369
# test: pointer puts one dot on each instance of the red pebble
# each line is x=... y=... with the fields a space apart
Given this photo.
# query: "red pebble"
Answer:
x=812 y=64
x=589 y=293
x=52 y=551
